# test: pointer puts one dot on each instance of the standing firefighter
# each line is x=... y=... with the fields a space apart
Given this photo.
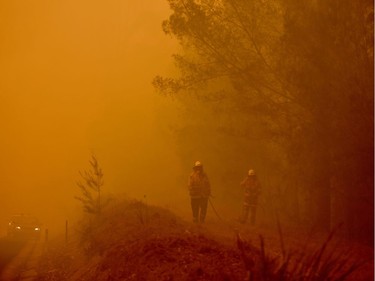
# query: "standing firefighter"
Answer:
x=200 y=190
x=252 y=189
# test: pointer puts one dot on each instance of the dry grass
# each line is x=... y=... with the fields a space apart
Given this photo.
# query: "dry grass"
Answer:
x=320 y=265
x=135 y=241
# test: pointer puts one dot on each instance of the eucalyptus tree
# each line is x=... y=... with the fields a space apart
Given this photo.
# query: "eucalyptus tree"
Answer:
x=237 y=44
x=328 y=51
x=300 y=71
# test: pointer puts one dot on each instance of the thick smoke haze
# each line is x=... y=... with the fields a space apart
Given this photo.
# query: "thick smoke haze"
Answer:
x=75 y=80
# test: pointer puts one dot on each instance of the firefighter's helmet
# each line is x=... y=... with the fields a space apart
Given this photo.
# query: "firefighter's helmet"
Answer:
x=198 y=164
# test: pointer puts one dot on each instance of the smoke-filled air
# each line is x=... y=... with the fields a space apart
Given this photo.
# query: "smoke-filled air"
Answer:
x=75 y=82
x=187 y=140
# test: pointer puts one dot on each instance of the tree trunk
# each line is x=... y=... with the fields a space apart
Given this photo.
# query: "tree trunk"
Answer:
x=321 y=191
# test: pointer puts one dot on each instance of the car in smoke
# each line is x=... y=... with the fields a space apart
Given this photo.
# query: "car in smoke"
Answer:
x=24 y=227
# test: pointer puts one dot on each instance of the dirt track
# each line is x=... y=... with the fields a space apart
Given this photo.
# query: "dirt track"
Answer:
x=23 y=265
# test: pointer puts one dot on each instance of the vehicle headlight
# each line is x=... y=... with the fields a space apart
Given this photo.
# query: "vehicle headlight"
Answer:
x=36 y=228
x=18 y=227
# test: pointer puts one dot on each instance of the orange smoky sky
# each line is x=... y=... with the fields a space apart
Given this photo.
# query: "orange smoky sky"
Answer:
x=75 y=79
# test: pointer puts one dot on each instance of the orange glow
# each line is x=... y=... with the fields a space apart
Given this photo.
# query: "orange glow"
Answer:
x=75 y=79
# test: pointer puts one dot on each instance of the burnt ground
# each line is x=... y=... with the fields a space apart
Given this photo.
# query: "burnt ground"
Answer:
x=133 y=241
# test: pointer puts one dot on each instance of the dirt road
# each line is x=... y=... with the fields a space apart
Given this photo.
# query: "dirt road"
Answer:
x=19 y=259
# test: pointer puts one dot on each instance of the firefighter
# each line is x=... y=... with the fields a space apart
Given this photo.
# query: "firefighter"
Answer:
x=199 y=190
x=252 y=189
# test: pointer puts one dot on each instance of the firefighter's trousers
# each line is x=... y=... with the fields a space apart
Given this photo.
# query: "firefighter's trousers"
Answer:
x=199 y=208
x=246 y=210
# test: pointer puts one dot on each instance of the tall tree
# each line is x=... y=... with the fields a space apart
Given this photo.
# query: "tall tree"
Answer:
x=236 y=42
x=302 y=71
x=328 y=46
x=228 y=63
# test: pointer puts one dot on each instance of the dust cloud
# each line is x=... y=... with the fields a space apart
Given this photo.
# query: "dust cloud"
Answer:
x=75 y=81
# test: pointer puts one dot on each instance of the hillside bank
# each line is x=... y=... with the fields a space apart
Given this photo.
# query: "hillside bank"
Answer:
x=134 y=241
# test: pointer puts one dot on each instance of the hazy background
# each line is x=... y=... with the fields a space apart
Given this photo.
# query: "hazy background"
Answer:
x=75 y=80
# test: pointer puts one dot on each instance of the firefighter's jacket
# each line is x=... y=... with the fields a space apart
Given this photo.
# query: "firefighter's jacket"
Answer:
x=252 y=190
x=199 y=186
